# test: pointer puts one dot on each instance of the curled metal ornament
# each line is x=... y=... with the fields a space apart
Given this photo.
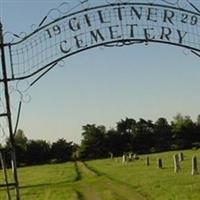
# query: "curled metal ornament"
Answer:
x=118 y=1
x=61 y=63
x=182 y=4
x=123 y=43
x=74 y=5
x=11 y=37
x=21 y=88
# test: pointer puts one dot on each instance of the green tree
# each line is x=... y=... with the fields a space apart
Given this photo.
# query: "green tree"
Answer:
x=62 y=151
x=162 y=135
x=183 y=131
x=143 y=140
x=20 y=146
x=20 y=139
x=198 y=120
x=126 y=129
x=93 y=144
x=38 y=152
x=114 y=142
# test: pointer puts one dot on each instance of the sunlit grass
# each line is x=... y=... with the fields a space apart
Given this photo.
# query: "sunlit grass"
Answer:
x=45 y=182
x=110 y=180
x=154 y=183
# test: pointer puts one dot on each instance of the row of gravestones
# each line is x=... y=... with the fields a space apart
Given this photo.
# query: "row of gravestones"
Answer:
x=128 y=157
x=178 y=158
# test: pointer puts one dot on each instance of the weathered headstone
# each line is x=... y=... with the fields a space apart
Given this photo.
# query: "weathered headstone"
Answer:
x=111 y=155
x=194 y=166
x=124 y=159
x=159 y=163
x=130 y=157
x=147 y=161
x=177 y=167
x=181 y=157
x=135 y=157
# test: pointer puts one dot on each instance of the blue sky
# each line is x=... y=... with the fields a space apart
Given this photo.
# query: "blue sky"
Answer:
x=104 y=85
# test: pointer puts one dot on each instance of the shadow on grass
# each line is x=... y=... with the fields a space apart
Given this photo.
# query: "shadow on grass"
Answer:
x=97 y=173
x=35 y=186
x=59 y=183
x=80 y=195
x=78 y=174
x=46 y=184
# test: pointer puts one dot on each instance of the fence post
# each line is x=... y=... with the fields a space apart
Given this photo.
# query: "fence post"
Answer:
x=8 y=110
x=5 y=175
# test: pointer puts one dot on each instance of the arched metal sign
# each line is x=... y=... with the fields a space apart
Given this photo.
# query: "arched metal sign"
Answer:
x=117 y=23
x=88 y=24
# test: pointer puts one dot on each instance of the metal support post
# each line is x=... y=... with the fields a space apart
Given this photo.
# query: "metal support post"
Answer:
x=8 y=112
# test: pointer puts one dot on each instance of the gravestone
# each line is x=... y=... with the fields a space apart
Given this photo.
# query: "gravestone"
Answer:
x=147 y=161
x=194 y=166
x=111 y=155
x=181 y=157
x=177 y=167
x=124 y=159
x=159 y=163
x=135 y=157
x=130 y=157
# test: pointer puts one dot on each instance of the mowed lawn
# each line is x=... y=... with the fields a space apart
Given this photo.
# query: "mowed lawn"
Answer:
x=110 y=180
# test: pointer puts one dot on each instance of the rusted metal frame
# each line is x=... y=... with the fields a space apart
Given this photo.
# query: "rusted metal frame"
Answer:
x=8 y=111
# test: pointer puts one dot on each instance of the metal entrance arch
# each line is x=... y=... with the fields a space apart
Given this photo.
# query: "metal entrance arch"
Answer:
x=88 y=24
x=122 y=23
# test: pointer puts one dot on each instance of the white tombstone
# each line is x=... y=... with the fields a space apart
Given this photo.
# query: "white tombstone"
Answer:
x=124 y=159
x=195 y=170
x=177 y=167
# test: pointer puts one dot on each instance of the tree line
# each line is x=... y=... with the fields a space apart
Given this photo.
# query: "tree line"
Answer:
x=141 y=136
x=34 y=152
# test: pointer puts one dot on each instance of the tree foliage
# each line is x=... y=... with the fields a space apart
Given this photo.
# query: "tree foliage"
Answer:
x=93 y=144
x=62 y=150
x=142 y=136
x=129 y=135
x=32 y=152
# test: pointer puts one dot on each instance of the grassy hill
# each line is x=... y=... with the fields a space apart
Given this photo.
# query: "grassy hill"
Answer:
x=111 y=180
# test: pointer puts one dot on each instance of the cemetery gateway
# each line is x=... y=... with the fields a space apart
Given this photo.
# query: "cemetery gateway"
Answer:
x=103 y=25
x=126 y=24
x=88 y=24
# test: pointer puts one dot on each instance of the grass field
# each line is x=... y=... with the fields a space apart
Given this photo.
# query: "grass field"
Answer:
x=110 y=180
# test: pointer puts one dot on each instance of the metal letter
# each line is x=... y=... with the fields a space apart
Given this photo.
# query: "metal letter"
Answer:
x=74 y=25
x=168 y=16
x=64 y=48
x=166 y=32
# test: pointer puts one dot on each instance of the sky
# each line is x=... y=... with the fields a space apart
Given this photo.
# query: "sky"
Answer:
x=103 y=85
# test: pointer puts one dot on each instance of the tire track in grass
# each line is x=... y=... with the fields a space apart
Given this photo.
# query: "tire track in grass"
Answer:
x=79 y=196
x=94 y=185
x=85 y=172
x=119 y=187
x=84 y=188
x=78 y=176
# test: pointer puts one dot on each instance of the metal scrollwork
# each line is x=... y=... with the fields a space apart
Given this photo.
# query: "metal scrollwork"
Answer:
x=72 y=6
x=75 y=26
